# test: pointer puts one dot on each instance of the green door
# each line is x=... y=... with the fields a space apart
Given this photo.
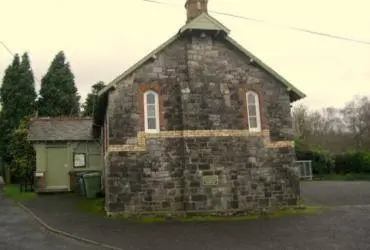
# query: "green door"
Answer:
x=57 y=177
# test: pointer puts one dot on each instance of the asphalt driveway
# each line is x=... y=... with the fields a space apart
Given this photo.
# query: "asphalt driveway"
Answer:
x=18 y=232
x=336 y=193
x=345 y=226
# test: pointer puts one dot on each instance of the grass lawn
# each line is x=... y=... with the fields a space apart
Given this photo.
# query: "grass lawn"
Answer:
x=96 y=207
x=218 y=218
x=13 y=192
x=344 y=177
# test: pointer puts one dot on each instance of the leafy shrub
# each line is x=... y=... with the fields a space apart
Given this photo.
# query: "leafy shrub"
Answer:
x=22 y=152
x=322 y=161
x=352 y=162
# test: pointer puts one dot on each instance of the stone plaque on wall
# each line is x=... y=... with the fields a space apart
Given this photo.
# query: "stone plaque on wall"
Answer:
x=210 y=180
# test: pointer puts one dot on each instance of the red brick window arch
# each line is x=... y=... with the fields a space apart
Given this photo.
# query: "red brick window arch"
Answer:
x=144 y=108
x=151 y=111
x=253 y=111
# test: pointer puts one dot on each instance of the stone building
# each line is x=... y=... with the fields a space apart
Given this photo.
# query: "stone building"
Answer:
x=198 y=125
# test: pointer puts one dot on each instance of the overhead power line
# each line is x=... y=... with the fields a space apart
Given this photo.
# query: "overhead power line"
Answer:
x=312 y=32
x=7 y=48
x=12 y=54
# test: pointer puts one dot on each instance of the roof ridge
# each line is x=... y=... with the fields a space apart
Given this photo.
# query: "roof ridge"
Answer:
x=61 y=118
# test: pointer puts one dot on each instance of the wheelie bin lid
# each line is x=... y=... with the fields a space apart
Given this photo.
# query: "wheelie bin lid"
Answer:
x=92 y=174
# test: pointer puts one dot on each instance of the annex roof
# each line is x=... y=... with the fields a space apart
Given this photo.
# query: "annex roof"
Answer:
x=60 y=129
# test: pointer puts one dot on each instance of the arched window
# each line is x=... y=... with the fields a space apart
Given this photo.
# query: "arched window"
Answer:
x=151 y=112
x=253 y=107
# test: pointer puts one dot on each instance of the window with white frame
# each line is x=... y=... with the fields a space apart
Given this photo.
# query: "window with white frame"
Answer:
x=254 y=118
x=151 y=112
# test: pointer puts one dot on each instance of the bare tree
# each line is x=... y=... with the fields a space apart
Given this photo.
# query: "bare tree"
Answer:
x=356 y=118
x=334 y=129
x=300 y=122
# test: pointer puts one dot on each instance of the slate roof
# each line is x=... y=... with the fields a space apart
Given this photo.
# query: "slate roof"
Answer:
x=60 y=129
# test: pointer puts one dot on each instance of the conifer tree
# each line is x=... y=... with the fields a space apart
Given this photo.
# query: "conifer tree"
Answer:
x=58 y=93
x=92 y=98
x=27 y=89
x=17 y=99
x=8 y=91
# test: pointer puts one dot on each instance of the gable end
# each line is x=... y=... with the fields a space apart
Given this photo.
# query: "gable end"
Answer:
x=294 y=93
x=206 y=22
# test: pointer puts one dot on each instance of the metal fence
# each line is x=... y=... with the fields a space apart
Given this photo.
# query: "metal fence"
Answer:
x=304 y=169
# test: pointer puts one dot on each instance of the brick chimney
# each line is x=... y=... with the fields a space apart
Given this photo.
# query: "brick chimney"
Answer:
x=194 y=8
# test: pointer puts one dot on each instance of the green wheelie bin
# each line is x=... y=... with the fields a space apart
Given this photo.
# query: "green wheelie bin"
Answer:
x=92 y=182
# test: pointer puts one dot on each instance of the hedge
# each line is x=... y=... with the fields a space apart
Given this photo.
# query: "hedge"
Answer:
x=352 y=162
x=325 y=163
x=322 y=161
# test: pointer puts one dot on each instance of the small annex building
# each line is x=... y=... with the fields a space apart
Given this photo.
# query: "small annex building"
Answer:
x=63 y=145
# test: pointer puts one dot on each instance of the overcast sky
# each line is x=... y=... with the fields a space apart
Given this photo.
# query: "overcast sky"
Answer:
x=103 y=38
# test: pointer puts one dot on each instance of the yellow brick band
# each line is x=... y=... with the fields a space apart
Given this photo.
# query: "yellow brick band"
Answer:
x=200 y=133
x=142 y=136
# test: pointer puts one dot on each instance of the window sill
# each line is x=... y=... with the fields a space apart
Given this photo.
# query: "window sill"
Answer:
x=255 y=130
x=152 y=131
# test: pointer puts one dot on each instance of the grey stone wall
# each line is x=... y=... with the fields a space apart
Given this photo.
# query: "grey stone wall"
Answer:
x=201 y=82
x=153 y=180
x=250 y=176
